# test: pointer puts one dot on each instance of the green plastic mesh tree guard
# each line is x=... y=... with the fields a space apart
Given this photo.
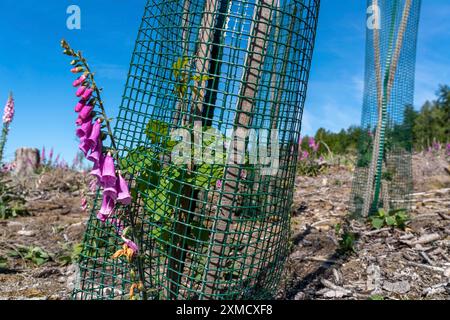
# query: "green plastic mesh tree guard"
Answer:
x=383 y=177
x=207 y=230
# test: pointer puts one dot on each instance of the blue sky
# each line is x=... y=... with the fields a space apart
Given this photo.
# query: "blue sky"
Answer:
x=31 y=64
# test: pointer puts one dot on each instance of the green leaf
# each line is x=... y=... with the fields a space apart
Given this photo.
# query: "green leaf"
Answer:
x=155 y=204
x=3 y=262
x=181 y=64
x=77 y=248
x=390 y=221
x=39 y=261
x=347 y=242
x=157 y=131
x=337 y=228
x=201 y=78
x=401 y=219
x=139 y=159
x=381 y=213
x=377 y=223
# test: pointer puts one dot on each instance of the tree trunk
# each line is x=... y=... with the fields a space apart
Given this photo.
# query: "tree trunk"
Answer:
x=177 y=256
x=27 y=161
x=254 y=61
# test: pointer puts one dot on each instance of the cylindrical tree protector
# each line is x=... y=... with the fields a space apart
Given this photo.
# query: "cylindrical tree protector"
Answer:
x=383 y=177
x=208 y=135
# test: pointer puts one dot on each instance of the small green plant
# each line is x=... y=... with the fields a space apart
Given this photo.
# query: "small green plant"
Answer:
x=36 y=255
x=3 y=262
x=185 y=79
x=376 y=297
x=310 y=168
x=309 y=163
x=394 y=218
x=11 y=204
x=347 y=239
x=70 y=255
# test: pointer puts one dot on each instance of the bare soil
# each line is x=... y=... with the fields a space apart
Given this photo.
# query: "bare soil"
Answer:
x=388 y=263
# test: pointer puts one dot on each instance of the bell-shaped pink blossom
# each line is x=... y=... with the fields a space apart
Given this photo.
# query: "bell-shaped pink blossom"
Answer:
x=95 y=135
x=96 y=153
x=85 y=146
x=111 y=192
x=87 y=94
x=85 y=112
x=84 y=130
x=107 y=208
x=80 y=105
x=123 y=196
x=80 y=91
x=80 y=80
x=80 y=121
x=108 y=172
x=97 y=169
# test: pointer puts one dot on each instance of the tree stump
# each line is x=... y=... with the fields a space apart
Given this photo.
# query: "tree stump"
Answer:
x=27 y=161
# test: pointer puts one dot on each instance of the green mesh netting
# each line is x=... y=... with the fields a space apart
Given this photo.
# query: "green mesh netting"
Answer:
x=208 y=230
x=383 y=177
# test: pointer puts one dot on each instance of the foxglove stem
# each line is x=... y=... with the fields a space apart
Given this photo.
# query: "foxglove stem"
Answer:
x=98 y=101
x=3 y=138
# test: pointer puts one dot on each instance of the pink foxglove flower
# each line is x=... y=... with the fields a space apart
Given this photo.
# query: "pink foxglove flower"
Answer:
x=57 y=160
x=85 y=113
x=87 y=94
x=84 y=204
x=80 y=91
x=50 y=155
x=80 y=80
x=94 y=137
x=80 y=105
x=85 y=146
x=107 y=208
x=124 y=196
x=84 y=130
x=305 y=155
x=313 y=145
x=219 y=184
x=108 y=172
x=8 y=114
x=43 y=155
x=97 y=170
x=80 y=121
x=110 y=192
x=96 y=154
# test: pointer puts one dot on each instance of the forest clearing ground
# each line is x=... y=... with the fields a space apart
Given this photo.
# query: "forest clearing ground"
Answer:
x=394 y=264
x=387 y=263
